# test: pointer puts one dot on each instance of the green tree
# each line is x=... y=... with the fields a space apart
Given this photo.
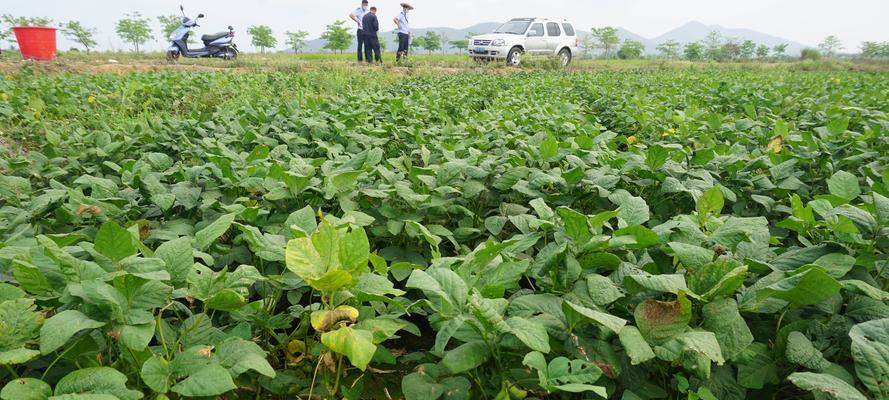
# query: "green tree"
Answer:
x=588 y=45
x=779 y=50
x=337 y=37
x=730 y=50
x=76 y=32
x=262 y=37
x=630 y=49
x=134 y=29
x=417 y=43
x=606 y=39
x=713 y=45
x=169 y=23
x=296 y=40
x=870 y=49
x=431 y=41
x=445 y=41
x=694 y=51
x=460 y=44
x=669 y=49
x=748 y=49
x=810 y=54
x=831 y=45
x=762 y=51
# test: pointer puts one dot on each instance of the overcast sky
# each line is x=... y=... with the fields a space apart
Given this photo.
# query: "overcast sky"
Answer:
x=806 y=21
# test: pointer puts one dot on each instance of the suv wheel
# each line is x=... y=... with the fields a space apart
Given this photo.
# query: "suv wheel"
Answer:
x=565 y=57
x=514 y=57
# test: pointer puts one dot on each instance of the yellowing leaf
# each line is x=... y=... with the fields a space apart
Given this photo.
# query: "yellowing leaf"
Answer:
x=776 y=144
x=323 y=320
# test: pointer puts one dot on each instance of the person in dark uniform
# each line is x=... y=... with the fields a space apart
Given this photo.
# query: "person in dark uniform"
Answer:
x=358 y=16
x=404 y=31
x=371 y=25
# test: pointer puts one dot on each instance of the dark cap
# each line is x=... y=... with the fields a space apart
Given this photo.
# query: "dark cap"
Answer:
x=363 y=2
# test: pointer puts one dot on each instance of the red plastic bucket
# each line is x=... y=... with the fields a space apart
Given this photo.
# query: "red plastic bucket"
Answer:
x=36 y=42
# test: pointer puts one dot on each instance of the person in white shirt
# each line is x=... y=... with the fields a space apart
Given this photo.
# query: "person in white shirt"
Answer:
x=357 y=16
x=404 y=31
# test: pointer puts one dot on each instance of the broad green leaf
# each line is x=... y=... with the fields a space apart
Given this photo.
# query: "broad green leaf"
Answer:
x=602 y=290
x=612 y=323
x=210 y=380
x=354 y=250
x=331 y=281
x=576 y=225
x=341 y=182
x=303 y=260
x=836 y=264
x=756 y=367
x=155 y=374
x=466 y=357
x=720 y=278
x=633 y=211
x=137 y=337
x=826 y=385
x=20 y=355
x=870 y=349
x=531 y=333
x=57 y=330
x=674 y=283
x=658 y=321
x=97 y=380
x=691 y=256
x=304 y=220
x=810 y=285
x=326 y=241
x=26 y=389
x=549 y=148
x=562 y=374
x=801 y=351
x=736 y=230
x=694 y=350
x=710 y=203
x=19 y=324
x=376 y=287
x=225 y=300
x=178 y=257
x=845 y=185
x=382 y=328
x=417 y=386
x=115 y=242
x=446 y=331
x=635 y=345
x=353 y=343
x=205 y=237
x=240 y=356
x=723 y=319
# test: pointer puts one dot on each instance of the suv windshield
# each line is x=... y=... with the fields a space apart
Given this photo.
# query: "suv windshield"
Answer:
x=514 y=27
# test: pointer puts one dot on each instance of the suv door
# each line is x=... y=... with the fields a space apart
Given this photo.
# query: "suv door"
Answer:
x=553 y=37
x=535 y=42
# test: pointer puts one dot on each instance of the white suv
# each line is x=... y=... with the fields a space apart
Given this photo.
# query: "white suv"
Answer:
x=532 y=36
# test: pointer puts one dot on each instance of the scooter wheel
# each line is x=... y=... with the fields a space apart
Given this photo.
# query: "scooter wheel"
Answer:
x=172 y=55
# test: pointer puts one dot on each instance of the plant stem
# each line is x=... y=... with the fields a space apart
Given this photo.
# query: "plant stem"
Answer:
x=339 y=372
x=11 y=371
x=314 y=376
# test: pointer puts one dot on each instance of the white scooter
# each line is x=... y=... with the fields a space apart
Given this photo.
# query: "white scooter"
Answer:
x=217 y=45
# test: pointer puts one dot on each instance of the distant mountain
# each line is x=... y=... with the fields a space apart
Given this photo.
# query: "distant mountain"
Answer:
x=695 y=31
x=691 y=32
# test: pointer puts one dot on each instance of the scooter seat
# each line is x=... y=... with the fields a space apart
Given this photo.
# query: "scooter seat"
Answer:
x=215 y=36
